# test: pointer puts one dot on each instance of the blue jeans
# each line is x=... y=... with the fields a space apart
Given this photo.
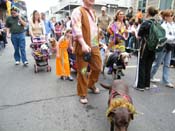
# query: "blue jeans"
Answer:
x=165 y=57
x=19 y=44
x=131 y=41
x=102 y=53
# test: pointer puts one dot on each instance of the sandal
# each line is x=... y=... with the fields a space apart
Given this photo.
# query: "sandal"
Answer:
x=95 y=90
x=83 y=100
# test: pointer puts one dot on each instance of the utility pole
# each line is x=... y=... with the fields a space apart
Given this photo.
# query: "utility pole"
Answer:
x=109 y=6
x=69 y=7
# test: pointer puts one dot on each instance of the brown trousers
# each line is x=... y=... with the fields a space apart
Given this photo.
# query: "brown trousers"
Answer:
x=83 y=81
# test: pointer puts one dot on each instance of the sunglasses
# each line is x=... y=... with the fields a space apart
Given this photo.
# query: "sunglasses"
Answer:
x=170 y=15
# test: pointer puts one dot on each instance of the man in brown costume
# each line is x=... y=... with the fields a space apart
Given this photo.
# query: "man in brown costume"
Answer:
x=85 y=33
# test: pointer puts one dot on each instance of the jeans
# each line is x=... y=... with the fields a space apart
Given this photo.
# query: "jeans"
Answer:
x=19 y=44
x=2 y=45
x=102 y=53
x=165 y=57
x=131 y=41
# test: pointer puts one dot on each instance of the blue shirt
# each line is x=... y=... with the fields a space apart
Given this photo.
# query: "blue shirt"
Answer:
x=48 y=26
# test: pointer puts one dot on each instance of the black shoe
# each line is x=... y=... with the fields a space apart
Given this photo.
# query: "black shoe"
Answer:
x=121 y=73
x=70 y=78
x=62 y=78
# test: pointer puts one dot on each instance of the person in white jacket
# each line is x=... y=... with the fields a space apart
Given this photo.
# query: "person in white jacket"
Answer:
x=165 y=54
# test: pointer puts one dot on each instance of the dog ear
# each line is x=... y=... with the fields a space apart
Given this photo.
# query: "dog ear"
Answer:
x=108 y=87
x=120 y=56
x=111 y=114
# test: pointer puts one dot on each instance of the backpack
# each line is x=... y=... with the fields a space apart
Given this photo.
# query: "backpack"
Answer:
x=157 y=35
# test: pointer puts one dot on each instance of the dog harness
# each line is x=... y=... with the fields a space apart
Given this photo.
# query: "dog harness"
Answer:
x=114 y=93
x=124 y=101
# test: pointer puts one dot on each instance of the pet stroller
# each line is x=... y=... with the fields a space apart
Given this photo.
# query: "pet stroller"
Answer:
x=40 y=52
x=72 y=61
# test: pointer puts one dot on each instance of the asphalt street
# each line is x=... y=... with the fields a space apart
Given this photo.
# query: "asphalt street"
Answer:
x=44 y=102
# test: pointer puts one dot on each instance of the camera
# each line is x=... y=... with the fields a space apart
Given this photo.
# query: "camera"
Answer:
x=87 y=57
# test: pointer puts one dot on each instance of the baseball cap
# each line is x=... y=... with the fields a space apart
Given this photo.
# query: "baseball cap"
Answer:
x=103 y=8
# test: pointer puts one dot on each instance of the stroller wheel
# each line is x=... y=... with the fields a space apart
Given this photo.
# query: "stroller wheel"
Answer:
x=48 y=69
x=35 y=69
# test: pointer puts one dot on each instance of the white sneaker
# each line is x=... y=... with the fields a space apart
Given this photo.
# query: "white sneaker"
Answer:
x=26 y=63
x=17 y=63
x=170 y=85
x=154 y=80
x=147 y=88
x=151 y=87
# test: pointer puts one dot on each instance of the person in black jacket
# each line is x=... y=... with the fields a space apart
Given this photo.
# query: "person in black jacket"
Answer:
x=146 y=56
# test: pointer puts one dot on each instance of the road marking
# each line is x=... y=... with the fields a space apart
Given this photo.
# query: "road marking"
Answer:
x=131 y=66
x=173 y=111
x=140 y=113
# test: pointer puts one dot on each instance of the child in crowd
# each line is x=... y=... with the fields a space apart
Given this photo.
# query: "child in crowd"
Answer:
x=58 y=30
x=102 y=44
x=62 y=58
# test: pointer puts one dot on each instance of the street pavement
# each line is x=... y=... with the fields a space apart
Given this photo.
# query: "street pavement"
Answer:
x=43 y=102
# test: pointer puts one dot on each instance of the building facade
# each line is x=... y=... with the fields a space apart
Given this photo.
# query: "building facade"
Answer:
x=65 y=7
x=159 y=4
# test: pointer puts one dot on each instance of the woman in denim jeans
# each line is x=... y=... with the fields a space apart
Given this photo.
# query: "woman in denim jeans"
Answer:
x=165 y=54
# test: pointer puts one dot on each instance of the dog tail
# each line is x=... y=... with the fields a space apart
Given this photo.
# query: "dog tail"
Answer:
x=106 y=86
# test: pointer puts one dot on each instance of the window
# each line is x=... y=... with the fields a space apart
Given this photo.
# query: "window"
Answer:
x=142 y=5
x=165 y=4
